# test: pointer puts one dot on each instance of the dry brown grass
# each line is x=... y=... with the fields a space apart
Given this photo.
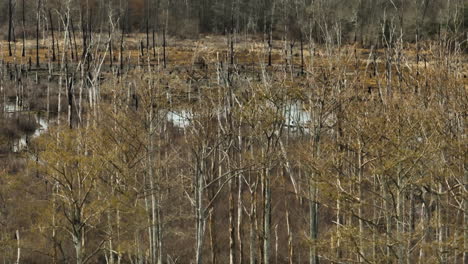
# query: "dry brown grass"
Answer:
x=250 y=51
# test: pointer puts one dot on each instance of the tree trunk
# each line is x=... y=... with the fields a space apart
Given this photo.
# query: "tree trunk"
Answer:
x=212 y=226
x=10 y=26
x=266 y=217
x=78 y=235
x=199 y=211
x=69 y=84
x=253 y=247
x=239 y=220
x=270 y=47
x=53 y=38
x=78 y=249
x=23 y=53
x=232 y=229
x=290 y=238
x=360 y=196
x=37 y=32
x=18 y=246
x=465 y=217
x=313 y=208
x=75 y=49
x=313 y=190
x=164 y=49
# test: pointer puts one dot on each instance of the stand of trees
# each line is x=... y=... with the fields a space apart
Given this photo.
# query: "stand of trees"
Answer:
x=283 y=146
x=357 y=20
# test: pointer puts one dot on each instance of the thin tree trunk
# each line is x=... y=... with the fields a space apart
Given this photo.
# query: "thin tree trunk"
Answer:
x=18 y=246
x=69 y=84
x=313 y=208
x=313 y=190
x=151 y=176
x=232 y=229
x=154 y=44
x=388 y=223
x=200 y=211
x=53 y=37
x=266 y=217
x=270 y=48
x=23 y=53
x=239 y=220
x=290 y=238
x=147 y=27
x=240 y=191
x=212 y=227
x=232 y=49
x=111 y=55
x=164 y=49
x=10 y=26
x=37 y=32
x=74 y=39
x=361 y=223
x=465 y=217
x=252 y=248
x=121 y=56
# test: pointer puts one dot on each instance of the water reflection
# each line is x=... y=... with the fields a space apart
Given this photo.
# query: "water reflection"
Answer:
x=21 y=143
x=297 y=118
x=180 y=118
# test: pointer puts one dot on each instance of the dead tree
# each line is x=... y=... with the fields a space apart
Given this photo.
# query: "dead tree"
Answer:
x=23 y=53
x=164 y=49
x=53 y=38
x=37 y=31
x=10 y=26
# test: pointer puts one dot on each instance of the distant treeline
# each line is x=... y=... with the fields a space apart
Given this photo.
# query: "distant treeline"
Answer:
x=344 y=21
